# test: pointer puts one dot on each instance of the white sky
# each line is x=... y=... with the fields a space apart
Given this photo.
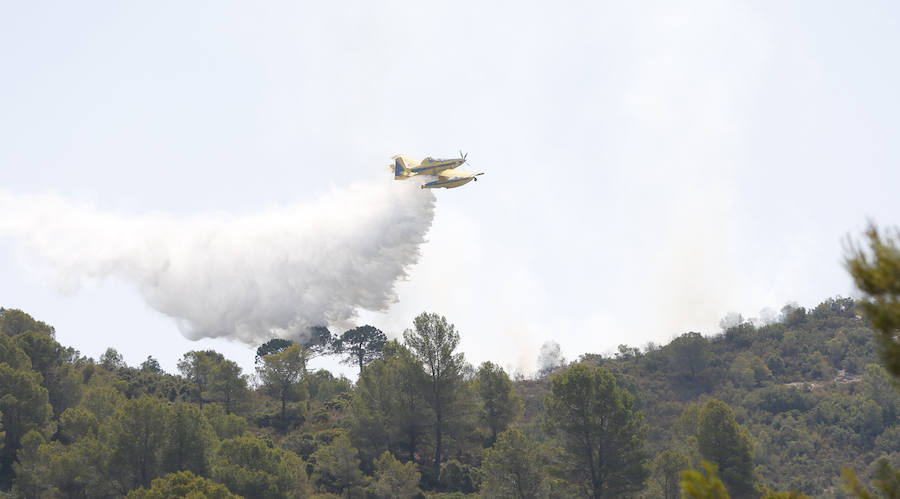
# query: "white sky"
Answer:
x=649 y=166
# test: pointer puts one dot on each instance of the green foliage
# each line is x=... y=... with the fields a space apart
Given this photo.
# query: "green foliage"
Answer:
x=815 y=366
x=30 y=468
x=724 y=444
x=101 y=400
x=197 y=368
x=12 y=354
x=886 y=482
x=111 y=360
x=880 y=389
x=457 y=477
x=182 y=484
x=514 y=467
x=395 y=479
x=151 y=365
x=225 y=425
x=302 y=444
x=49 y=358
x=389 y=409
x=191 y=441
x=138 y=436
x=749 y=371
x=771 y=494
x=77 y=423
x=877 y=274
x=690 y=353
x=135 y=383
x=251 y=468
x=500 y=404
x=434 y=342
x=282 y=376
x=837 y=348
x=362 y=345
x=275 y=345
x=80 y=469
x=463 y=439
x=324 y=386
x=805 y=389
x=804 y=429
x=51 y=469
x=779 y=399
x=337 y=466
x=25 y=406
x=228 y=386
x=14 y=322
x=667 y=470
x=602 y=435
x=697 y=485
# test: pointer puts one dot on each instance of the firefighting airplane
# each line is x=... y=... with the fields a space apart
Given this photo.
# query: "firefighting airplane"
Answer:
x=445 y=170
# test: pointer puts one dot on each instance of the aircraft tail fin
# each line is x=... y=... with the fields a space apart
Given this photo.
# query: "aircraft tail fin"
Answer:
x=400 y=170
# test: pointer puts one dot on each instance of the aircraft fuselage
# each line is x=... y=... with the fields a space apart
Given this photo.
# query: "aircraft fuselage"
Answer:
x=433 y=168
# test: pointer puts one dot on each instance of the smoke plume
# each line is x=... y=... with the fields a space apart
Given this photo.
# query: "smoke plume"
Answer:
x=550 y=358
x=277 y=272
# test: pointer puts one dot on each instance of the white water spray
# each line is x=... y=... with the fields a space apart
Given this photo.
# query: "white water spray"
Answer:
x=273 y=273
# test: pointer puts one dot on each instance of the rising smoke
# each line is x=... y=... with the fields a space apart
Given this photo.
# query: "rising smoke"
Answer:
x=550 y=358
x=277 y=272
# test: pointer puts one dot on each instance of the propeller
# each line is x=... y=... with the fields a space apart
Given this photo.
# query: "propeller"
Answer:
x=463 y=155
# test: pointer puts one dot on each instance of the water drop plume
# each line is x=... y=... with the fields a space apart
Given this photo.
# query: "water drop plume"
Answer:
x=276 y=272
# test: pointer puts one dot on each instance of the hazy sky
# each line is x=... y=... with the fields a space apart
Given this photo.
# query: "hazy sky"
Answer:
x=650 y=167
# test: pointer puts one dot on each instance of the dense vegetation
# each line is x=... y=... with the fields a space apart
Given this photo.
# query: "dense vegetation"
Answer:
x=785 y=405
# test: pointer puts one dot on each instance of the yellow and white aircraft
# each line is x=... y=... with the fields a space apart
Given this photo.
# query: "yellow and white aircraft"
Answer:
x=445 y=170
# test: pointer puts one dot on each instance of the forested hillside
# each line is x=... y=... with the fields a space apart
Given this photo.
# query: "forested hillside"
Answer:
x=785 y=405
x=808 y=393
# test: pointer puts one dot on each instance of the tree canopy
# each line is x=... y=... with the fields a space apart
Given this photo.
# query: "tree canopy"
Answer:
x=434 y=341
x=282 y=376
x=877 y=274
x=603 y=435
x=806 y=390
x=362 y=345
